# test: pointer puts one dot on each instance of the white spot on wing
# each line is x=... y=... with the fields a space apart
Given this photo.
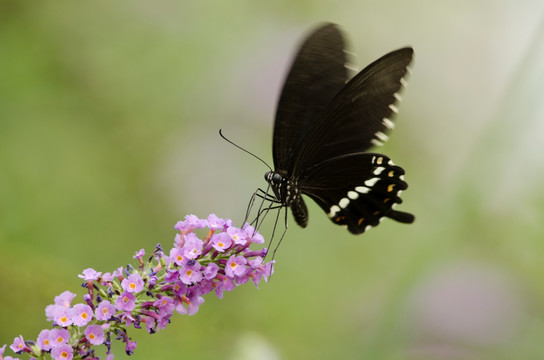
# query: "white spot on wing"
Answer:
x=351 y=67
x=381 y=136
x=353 y=195
x=371 y=182
x=397 y=97
x=376 y=142
x=394 y=108
x=362 y=189
x=343 y=202
x=378 y=170
x=403 y=82
x=388 y=123
x=333 y=211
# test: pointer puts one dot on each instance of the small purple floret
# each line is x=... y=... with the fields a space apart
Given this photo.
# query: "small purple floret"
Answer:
x=95 y=334
x=129 y=349
x=193 y=246
x=211 y=271
x=62 y=352
x=81 y=314
x=89 y=274
x=139 y=255
x=43 y=341
x=190 y=273
x=133 y=283
x=126 y=301
x=176 y=256
x=65 y=299
x=18 y=344
x=58 y=337
x=216 y=223
x=63 y=316
x=221 y=242
x=236 y=266
x=104 y=311
x=238 y=236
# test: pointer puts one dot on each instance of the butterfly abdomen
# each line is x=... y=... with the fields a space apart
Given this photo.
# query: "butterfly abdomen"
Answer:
x=300 y=212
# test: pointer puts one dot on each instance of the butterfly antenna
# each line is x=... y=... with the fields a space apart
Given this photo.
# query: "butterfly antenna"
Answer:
x=244 y=150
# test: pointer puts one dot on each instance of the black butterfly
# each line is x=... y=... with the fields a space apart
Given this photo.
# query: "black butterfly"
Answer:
x=324 y=124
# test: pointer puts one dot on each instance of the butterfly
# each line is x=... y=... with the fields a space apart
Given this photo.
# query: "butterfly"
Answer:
x=325 y=122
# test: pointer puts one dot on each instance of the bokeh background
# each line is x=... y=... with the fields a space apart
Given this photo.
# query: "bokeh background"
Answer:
x=109 y=118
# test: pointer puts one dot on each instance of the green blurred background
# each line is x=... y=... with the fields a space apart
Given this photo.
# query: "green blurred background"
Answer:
x=109 y=113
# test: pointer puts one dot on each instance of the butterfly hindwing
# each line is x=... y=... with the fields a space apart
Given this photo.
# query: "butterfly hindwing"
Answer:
x=357 y=190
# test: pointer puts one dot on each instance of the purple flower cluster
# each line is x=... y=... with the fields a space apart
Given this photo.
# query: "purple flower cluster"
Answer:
x=148 y=295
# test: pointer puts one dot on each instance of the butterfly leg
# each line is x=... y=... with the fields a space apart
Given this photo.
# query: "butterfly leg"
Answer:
x=261 y=194
x=250 y=206
x=285 y=225
x=265 y=196
x=265 y=211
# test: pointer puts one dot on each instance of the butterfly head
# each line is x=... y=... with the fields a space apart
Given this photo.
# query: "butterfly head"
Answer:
x=284 y=189
x=273 y=178
x=277 y=183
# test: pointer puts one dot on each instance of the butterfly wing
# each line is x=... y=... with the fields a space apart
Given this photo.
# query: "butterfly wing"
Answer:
x=317 y=74
x=357 y=190
x=359 y=116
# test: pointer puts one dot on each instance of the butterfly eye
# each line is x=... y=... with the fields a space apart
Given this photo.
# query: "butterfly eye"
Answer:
x=276 y=178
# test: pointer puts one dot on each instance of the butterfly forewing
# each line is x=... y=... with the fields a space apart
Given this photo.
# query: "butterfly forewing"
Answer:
x=317 y=74
x=360 y=115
